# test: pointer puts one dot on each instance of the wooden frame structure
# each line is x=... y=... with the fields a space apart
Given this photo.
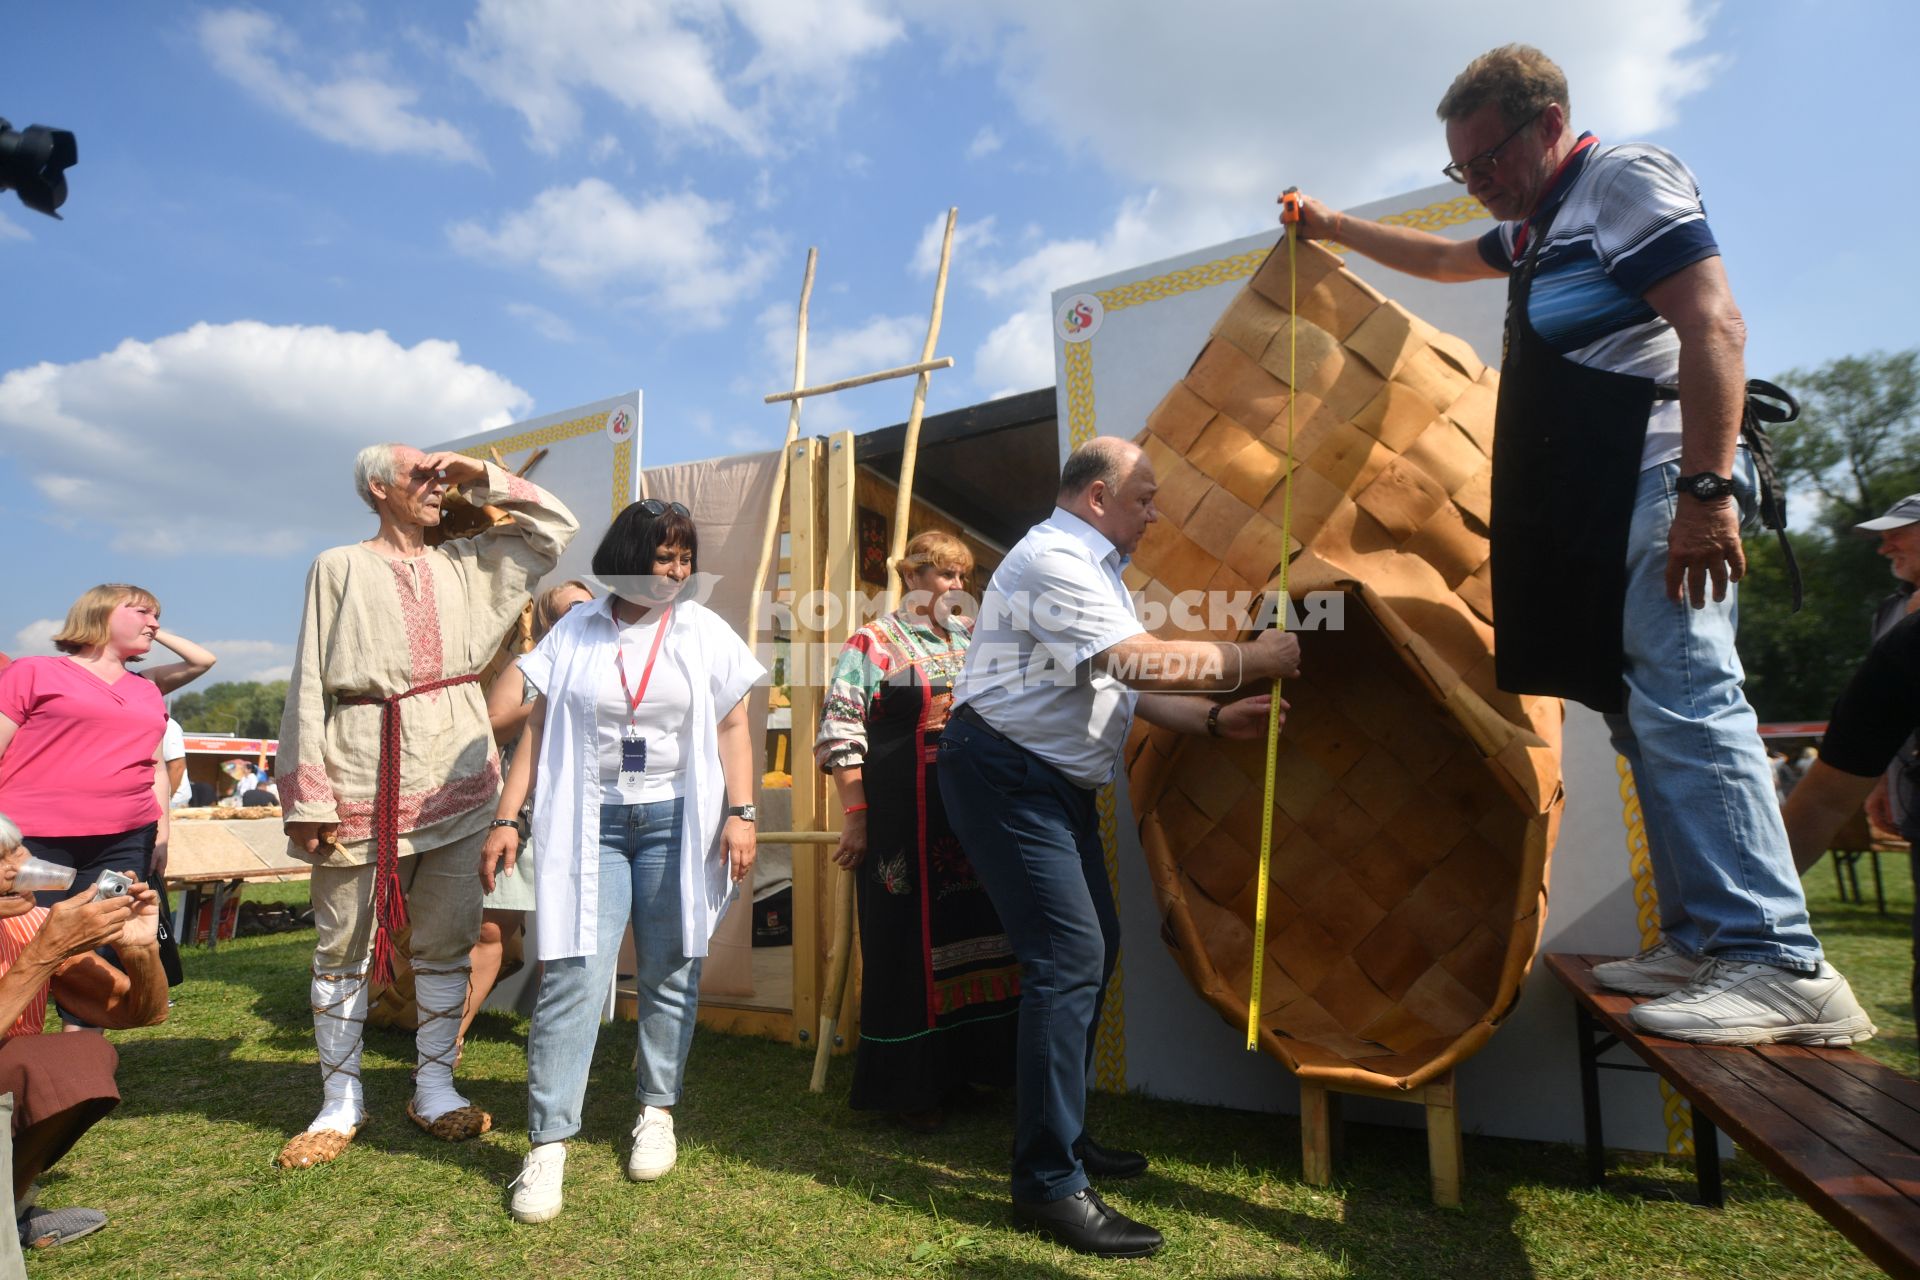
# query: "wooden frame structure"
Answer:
x=817 y=485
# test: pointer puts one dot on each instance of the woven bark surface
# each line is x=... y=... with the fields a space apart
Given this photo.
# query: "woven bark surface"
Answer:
x=1415 y=803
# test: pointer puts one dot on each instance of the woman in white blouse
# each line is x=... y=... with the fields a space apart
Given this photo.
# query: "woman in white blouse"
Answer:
x=644 y=761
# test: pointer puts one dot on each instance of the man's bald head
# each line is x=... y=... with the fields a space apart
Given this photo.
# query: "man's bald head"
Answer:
x=1109 y=483
x=1105 y=458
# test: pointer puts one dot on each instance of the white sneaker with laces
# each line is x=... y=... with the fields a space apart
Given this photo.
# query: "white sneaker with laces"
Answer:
x=1660 y=969
x=536 y=1190
x=1734 y=1002
x=654 y=1150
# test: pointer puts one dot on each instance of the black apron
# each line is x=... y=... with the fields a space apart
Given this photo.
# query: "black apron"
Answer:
x=1566 y=467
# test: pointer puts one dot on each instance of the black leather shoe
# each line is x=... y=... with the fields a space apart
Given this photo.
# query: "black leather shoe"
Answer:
x=1103 y=1164
x=1084 y=1223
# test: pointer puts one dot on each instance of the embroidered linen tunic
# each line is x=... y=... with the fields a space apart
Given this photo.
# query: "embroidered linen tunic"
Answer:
x=375 y=627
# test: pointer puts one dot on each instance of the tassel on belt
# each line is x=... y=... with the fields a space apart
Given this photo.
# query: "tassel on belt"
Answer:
x=389 y=901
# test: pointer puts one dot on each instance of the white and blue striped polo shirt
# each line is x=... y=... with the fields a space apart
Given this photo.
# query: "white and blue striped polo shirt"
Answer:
x=1622 y=220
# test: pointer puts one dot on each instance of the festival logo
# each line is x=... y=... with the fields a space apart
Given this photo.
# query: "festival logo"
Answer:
x=620 y=425
x=1078 y=318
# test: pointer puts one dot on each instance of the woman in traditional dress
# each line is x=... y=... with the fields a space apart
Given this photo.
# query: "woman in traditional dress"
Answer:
x=940 y=987
x=640 y=760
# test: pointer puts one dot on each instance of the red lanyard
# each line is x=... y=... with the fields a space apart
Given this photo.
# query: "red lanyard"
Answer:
x=619 y=661
x=1526 y=224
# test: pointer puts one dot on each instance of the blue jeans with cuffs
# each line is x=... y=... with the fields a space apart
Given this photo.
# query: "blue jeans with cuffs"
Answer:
x=639 y=883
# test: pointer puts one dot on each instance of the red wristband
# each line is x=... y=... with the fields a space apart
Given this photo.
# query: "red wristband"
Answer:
x=854 y=808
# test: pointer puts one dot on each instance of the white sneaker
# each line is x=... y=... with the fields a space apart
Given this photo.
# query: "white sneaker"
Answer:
x=536 y=1190
x=1660 y=969
x=654 y=1150
x=1733 y=1002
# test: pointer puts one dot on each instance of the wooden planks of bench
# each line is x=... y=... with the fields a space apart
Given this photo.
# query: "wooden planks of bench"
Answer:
x=1840 y=1129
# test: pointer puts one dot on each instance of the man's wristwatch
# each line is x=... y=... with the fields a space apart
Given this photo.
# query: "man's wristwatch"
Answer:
x=1706 y=486
x=744 y=812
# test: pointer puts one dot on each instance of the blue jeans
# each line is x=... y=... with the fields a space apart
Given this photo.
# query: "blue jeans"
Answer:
x=1714 y=836
x=1033 y=837
x=639 y=881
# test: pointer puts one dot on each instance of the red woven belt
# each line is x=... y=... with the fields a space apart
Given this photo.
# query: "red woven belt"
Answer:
x=389 y=902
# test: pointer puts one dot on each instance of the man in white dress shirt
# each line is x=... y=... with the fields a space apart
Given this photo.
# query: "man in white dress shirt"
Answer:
x=1058 y=667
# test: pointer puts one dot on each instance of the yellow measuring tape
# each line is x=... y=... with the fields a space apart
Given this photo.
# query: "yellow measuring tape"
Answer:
x=1290 y=215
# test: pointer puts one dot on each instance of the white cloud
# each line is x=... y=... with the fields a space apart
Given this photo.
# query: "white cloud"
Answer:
x=975 y=234
x=1202 y=115
x=604 y=148
x=35 y=639
x=713 y=71
x=1235 y=101
x=238 y=659
x=984 y=143
x=543 y=322
x=242 y=660
x=360 y=107
x=11 y=230
x=589 y=237
x=233 y=432
x=833 y=353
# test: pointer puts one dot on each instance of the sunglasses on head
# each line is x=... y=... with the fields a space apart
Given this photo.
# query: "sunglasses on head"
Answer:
x=655 y=507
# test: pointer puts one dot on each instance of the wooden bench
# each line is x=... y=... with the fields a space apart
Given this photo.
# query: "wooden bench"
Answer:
x=1841 y=1130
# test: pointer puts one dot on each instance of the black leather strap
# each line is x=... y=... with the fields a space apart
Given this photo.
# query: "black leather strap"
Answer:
x=1766 y=403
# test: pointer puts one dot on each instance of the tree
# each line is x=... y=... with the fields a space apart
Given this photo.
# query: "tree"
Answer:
x=1853 y=453
x=245 y=709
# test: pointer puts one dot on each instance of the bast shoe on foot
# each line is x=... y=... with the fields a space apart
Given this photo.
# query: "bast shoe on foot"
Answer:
x=655 y=1150
x=317 y=1147
x=536 y=1189
x=45 y=1228
x=1084 y=1223
x=1734 y=1002
x=1659 y=970
x=456 y=1125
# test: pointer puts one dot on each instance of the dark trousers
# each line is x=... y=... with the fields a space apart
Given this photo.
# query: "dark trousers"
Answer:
x=127 y=852
x=1033 y=837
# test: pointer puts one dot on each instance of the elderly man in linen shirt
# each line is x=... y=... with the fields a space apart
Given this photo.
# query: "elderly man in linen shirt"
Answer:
x=1058 y=667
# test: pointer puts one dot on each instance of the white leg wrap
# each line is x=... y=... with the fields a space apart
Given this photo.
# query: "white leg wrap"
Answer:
x=441 y=998
x=339 y=999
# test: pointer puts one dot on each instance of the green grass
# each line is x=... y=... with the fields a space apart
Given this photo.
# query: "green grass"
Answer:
x=777 y=1182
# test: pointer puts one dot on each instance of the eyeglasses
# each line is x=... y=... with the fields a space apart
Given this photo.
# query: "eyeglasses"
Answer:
x=1484 y=164
x=655 y=507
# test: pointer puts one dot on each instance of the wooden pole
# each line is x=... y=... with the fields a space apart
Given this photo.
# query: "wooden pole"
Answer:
x=825 y=388
x=842 y=954
x=910 y=453
x=770 y=539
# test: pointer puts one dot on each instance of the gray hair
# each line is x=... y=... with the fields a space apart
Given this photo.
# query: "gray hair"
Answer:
x=375 y=462
x=1101 y=458
x=1517 y=78
x=10 y=837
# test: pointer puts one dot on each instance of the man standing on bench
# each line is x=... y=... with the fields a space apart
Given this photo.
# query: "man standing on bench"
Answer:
x=1618 y=496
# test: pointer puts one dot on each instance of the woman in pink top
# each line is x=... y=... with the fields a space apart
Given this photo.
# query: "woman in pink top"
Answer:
x=80 y=768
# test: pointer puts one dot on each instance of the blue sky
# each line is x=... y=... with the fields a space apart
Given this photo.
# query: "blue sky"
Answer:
x=297 y=229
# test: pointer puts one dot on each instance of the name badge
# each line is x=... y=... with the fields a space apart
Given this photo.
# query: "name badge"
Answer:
x=633 y=760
